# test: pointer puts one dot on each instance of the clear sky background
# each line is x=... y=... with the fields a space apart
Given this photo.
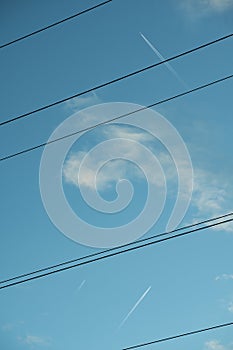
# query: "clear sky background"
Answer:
x=182 y=284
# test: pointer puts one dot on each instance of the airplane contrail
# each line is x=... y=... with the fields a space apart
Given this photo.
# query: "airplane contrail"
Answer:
x=81 y=285
x=169 y=67
x=134 y=307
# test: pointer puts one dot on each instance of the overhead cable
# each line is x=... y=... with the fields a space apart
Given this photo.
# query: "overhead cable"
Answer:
x=53 y=24
x=179 y=336
x=137 y=246
x=24 y=115
x=119 y=247
x=30 y=149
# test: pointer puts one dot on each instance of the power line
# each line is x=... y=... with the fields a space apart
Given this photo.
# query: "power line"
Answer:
x=54 y=24
x=116 y=253
x=116 y=248
x=179 y=336
x=117 y=118
x=115 y=80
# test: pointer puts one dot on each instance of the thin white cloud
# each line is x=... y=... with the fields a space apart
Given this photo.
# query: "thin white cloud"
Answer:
x=134 y=307
x=114 y=169
x=7 y=327
x=112 y=172
x=77 y=103
x=10 y=326
x=214 y=345
x=230 y=307
x=217 y=5
x=210 y=194
x=115 y=131
x=224 y=276
x=169 y=67
x=33 y=340
x=211 y=197
x=199 y=8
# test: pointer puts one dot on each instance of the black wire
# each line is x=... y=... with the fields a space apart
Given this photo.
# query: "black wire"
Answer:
x=116 y=80
x=152 y=105
x=179 y=336
x=116 y=118
x=54 y=24
x=116 y=253
x=116 y=248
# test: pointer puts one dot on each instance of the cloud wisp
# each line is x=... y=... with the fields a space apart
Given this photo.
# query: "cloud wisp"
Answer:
x=224 y=276
x=211 y=197
x=134 y=307
x=214 y=345
x=115 y=169
x=230 y=307
x=7 y=327
x=77 y=103
x=199 y=8
x=34 y=340
x=169 y=67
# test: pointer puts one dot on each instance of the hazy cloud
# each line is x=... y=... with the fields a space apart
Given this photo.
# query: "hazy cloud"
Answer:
x=199 y=8
x=10 y=326
x=211 y=197
x=116 y=131
x=214 y=345
x=230 y=307
x=114 y=169
x=7 y=327
x=224 y=277
x=77 y=103
x=33 y=340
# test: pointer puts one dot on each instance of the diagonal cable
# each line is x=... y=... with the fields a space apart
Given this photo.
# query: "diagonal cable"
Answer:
x=30 y=149
x=179 y=336
x=53 y=24
x=53 y=104
x=118 y=252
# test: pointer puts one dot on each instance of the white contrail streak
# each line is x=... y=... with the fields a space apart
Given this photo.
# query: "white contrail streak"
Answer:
x=134 y=307
x=81 y=285
x=169 y=67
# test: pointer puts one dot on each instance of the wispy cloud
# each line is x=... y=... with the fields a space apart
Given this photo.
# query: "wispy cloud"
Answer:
x=7 y=327
x=214 y=345
x=210 y=194
x=220 y=5
x=77 y=103
x=10 y=326
x=230 y=307
x=199 y=8
x=115 y=169
x=134 y=307
x=33 y=340
x=168 y=65
x=116 y=131
x=211 y=197
x=224 y=276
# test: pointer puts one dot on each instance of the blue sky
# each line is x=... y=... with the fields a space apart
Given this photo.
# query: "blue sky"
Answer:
x=182 y=284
